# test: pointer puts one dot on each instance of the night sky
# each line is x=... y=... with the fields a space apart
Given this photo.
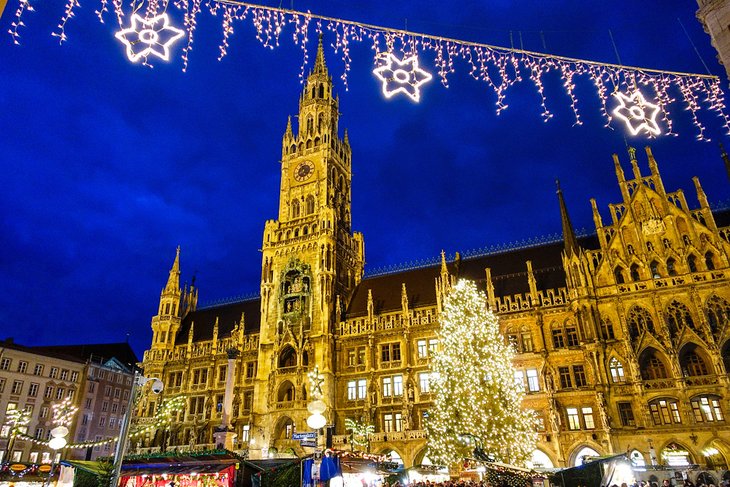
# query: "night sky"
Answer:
x=109 y=165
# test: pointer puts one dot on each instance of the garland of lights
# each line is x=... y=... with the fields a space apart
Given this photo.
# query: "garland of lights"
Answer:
x=498 y=67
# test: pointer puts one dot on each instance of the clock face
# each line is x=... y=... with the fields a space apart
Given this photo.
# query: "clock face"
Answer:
x=303 y=171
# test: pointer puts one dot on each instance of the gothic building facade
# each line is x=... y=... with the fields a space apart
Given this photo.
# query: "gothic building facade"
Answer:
x=622 y=337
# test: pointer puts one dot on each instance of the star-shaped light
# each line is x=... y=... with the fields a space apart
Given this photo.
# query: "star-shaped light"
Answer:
x=315 y=382
x=637 y=113
x=402 y=76
x=147 y=37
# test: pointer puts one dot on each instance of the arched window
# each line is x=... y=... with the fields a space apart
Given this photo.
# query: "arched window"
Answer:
x=288 y=357
x=295 y=209
x=654 y=266
x=692 y=364
x=649 y=246
x=635 y=272
x=321 y=91
x=665 y=411
x=607 y=328
x=678 y=317
x=710 y=261
x=686 y=240
x=310 y=124
x=692 y=263
x=717 y=311
x=617 y=370
x=287 y=392
x=618 y=273
x=630 y=249
x=651 y=366
x=671 y=267
x=309 y=205
x=707 y=409
x=638 y=320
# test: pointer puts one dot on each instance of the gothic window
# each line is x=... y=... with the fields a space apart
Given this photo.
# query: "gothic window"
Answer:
x=607 y=328
x=649 y=246
x=310 y=124
x=686 y=240
x=288 y=357
x=630 y=249
x=678 y=317
x=726 y=356
x=717 y=312
x=618 y=273
x=320 y=122
x=654 y=266
x=691 y=363
x=321 y=91
x=635 y=272
x=671 y=267
x=617 y=370
x=286 y=392
x=295 y=209
x=692 y=263
x=709 y=261
x=638 y=320
x=310 y=204
x=667 y=244
x=665 y=411
x=651 y=366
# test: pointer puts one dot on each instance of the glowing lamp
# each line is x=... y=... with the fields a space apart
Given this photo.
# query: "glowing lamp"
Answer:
x=59 y=431
x=316 y=421
x=57 y=442
x=317 y=407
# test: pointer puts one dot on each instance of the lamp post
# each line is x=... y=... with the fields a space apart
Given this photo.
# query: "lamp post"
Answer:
x=139 y=381
x=316 y=406
x=57 y=442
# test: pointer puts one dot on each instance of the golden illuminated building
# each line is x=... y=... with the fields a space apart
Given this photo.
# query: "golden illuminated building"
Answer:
x=622 y=337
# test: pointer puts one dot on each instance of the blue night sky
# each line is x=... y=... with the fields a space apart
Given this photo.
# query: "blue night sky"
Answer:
x=109 y=165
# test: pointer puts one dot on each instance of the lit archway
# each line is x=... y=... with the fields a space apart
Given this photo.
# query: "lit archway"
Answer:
x=582 y=455
x=637 y=458
x=540 y=460
x=676 y=455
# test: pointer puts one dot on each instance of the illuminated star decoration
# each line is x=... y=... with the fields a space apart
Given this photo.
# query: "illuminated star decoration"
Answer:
x=637 y=113
x=147 y=37
x=402 y=76
x=315 y=382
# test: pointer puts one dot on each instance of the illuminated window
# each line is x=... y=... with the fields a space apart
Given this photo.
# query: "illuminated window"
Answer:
x=424 y=382
x=588 y=418
x=573 y=418
x=706 y=408
x=617 y=370
x=665 y=411
x=533 y=383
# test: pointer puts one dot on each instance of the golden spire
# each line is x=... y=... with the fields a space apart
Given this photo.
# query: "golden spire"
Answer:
x=173 y=281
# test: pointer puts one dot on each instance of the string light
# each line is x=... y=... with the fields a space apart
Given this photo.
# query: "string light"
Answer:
x=477 y=403
x=637 y=113
x=498 y=67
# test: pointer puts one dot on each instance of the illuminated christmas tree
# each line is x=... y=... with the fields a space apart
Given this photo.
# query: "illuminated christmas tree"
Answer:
x=477 y=410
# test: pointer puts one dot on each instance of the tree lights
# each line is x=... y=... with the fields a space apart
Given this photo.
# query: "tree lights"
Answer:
x=478 y=404
x=498 y=67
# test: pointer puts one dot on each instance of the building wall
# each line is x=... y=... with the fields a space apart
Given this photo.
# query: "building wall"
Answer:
x=42 y=382
x=715 y=18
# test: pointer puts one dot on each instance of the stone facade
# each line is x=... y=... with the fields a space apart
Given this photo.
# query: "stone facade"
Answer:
x=622 y=337
x=714 y=15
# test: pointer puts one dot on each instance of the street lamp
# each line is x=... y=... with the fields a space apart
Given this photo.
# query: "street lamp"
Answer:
x=316 y=406
x=57 y=442
x=139 y=381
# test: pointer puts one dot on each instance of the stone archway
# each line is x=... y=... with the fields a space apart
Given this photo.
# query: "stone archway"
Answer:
x=577 y=458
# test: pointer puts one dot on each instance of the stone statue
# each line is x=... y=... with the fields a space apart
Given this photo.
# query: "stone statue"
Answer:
x=603 y=411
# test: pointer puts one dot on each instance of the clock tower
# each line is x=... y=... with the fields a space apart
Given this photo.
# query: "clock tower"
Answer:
x=311 y=261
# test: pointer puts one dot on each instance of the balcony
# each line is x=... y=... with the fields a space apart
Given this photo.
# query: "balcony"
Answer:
x=659 y=384
x=700 y=380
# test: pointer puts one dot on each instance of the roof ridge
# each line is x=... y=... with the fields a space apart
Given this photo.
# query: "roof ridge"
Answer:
x=240 y=298
x=475 y=253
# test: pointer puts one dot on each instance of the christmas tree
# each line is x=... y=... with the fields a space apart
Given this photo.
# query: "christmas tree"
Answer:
x=477 y=410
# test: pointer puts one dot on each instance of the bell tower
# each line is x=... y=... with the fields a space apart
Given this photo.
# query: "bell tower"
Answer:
x=310 y=257
x=167 y=321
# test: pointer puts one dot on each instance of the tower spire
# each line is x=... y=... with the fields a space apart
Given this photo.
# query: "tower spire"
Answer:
x=319 y=64
x=173 y=281
x=571 y=244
